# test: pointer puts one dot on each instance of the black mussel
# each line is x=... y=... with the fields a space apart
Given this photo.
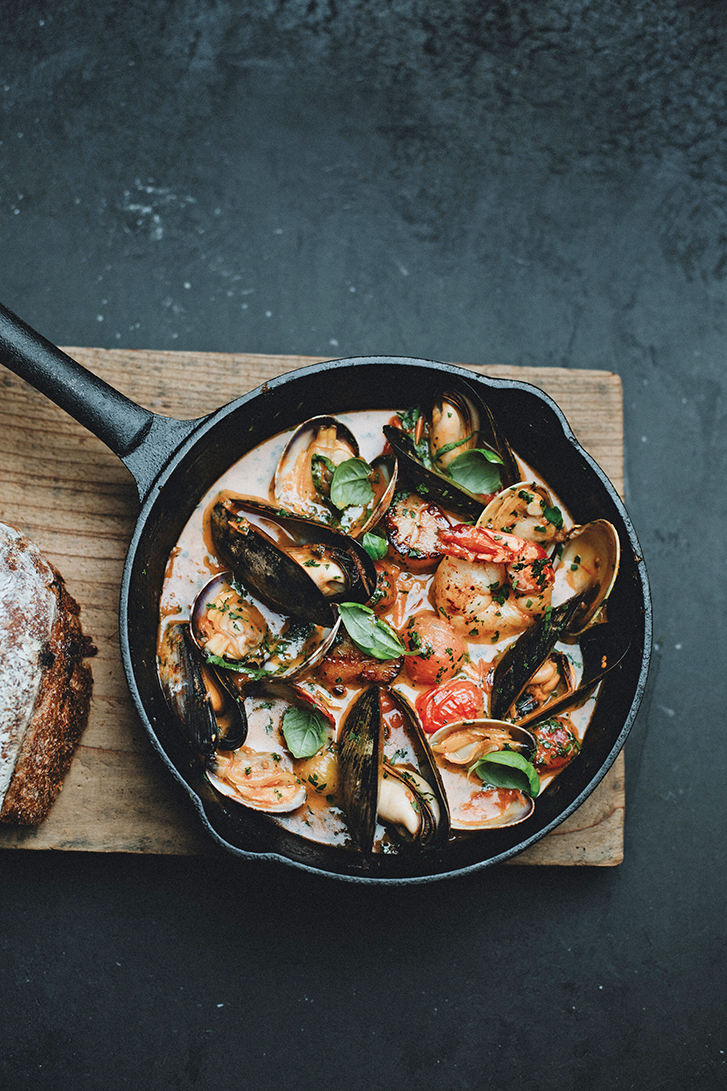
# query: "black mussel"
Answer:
x=210 y=716
x=459 y=421
x=453 y=453
x=523 y=658
x=533 y=679
x=294 y=565
x=387 y=775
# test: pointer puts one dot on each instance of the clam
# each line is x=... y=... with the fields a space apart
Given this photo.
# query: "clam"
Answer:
x=247 y=640
x=296 y=566
x=525 y=509
x=586 y=566
x=441 y=450
x=306 y=483
x=257 y=779
x=482 y=765
x=209 y=714
x=275 y=779
x=379 y=784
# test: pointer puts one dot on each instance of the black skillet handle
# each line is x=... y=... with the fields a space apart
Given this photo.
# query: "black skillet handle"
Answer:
x=144 y=441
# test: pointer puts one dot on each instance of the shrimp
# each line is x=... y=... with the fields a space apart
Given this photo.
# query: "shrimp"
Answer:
x=491 y=584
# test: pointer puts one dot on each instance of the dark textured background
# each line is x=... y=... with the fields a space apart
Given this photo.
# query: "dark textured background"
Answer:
x=504 y=182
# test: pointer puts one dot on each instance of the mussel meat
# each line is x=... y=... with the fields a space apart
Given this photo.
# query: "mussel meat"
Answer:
x=389 y=780
x=296 y=566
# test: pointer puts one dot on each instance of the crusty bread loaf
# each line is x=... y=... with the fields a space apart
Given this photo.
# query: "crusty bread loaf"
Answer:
x=45 y=687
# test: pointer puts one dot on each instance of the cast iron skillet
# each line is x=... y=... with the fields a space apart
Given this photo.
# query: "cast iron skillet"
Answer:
x=175 y=462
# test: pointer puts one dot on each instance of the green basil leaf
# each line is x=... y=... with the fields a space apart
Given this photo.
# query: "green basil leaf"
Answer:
x=240 y=667
x=476 y=471
x=351 y=485
x=305 y=731
x=322 y=471
x=370 y=633
x=554 y=516
x=375 y=545
x=508 y=769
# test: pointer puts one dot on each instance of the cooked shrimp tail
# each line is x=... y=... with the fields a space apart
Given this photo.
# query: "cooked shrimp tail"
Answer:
x=528 y=566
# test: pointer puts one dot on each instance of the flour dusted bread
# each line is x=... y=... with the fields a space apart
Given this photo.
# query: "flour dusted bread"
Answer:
x=45 y=686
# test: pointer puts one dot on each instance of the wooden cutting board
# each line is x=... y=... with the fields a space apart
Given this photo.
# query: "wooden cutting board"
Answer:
x=64 y=489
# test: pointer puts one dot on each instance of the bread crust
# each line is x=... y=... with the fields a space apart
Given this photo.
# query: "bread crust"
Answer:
x=49 y=674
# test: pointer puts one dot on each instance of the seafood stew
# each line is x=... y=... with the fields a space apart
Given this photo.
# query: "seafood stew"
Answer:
x=446 y=849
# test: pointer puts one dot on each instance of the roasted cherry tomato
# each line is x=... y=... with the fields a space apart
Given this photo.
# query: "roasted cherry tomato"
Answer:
x=557 y=744
x=459 y=699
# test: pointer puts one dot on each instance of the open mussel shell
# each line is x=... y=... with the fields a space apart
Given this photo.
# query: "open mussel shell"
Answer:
x=525 y=509
x=210 y=717
x=459 y=421
x=602 y=648
x=428 y=482
x=587 y=565
x=405 y=796
x=296 y=566
x=247 y=640
x=456 y=421
x=524 y=657
x=473 y=804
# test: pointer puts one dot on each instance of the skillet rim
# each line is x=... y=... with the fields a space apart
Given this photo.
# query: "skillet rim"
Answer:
x=203 y=431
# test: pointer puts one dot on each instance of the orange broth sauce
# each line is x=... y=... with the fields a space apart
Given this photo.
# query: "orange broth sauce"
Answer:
x=192 y=563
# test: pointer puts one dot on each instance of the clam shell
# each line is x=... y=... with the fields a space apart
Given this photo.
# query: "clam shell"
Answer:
x=472 y=805
x=289 y=648
x=522 y=509
x=587 y=565
x=257 y=780
x=295 y=489
x=293 y=485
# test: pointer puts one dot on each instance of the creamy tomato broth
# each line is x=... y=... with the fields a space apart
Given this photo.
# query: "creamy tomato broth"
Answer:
x=463 y=676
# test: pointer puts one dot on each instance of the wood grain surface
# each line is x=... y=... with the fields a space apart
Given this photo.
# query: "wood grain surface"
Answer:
x=64 y=489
